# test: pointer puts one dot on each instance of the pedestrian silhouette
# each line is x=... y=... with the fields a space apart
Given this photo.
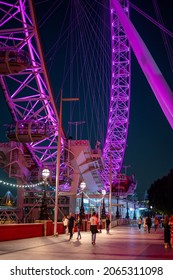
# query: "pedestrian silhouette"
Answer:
x=107 y=224
x=78 y=225
x=149 y=223
x=93 y=227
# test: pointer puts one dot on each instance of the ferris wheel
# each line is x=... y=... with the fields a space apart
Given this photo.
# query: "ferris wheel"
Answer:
x=26 y=86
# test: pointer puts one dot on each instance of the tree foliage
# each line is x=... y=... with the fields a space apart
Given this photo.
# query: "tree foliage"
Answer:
x=160 y=194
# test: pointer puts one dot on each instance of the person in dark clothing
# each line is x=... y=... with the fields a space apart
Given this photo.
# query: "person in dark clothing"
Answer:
x=71 y=224
x=93 y=227
x=100 y=225
x=149 y=223
x=78 y=225
x=167 y=232
x=140 y=222
x=107 y=224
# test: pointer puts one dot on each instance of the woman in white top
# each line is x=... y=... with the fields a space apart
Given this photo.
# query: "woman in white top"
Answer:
x=93 y=227
x=139 y=223
x=65 y=223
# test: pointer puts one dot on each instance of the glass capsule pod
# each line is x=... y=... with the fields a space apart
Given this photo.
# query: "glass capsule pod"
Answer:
x=27 y=131
x=13 y=61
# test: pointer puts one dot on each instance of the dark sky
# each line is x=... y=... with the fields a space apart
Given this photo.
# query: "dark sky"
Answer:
x=150 y=138
x=149 y=149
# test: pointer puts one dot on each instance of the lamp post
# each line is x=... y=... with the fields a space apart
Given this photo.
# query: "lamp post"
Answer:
x=150 y=211
x=82 y=210
x=110 y=190
x=44 y=212
x=134 y=214
x=103 y=214
x=117 y=212
x=100 y=215
x=58 y=160
x=76 y=124
x=127 y=213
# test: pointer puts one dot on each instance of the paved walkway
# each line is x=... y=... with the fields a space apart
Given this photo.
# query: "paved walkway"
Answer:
x=123 y=242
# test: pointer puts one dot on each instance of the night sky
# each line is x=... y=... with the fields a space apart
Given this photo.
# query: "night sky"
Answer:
x=149 y=149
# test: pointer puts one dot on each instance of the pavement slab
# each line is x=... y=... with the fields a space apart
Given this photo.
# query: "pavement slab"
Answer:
x=123 y=243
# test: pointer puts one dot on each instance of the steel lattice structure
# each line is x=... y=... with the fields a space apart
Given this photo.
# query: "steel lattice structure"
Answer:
x=117 y=127
x=28 y=93
x=30 y=97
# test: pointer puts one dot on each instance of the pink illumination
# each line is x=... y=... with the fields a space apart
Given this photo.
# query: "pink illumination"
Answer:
x=28 y=92
x=153 y=74
x=117 y=128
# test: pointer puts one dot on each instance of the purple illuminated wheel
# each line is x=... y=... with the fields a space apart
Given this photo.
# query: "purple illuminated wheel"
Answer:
x=27 y=90
x=25 y=84
x=117 y=128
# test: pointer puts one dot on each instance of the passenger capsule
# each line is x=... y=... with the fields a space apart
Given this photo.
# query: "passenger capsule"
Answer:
x=13 y=61
x=27 y=131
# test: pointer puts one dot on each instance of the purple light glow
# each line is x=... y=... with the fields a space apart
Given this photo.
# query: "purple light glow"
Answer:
x=28 y=93
x=117 y=128
x=153 y=74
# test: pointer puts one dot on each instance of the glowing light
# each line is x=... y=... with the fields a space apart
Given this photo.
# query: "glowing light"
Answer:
x=20 y=186
x=82 y=185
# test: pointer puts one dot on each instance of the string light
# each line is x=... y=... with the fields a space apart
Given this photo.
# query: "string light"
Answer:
x=21 y=186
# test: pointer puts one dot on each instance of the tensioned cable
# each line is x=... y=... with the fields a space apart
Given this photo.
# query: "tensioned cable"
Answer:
x=56 y=46
x=86 y=67
x=152 y=20
x=41 y=2
x=84 y=53
x=53 y=8
x=84 y=22
x=93 y=100
x=165 y=38
x=90 y=64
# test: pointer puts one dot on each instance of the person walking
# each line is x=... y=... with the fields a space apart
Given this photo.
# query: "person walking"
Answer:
x=156 y=223
x=65 y=223
x=107 y=224
x=167 y=232
x=93 y=227
x=145 y=224
x=171 y=230
x=71 y=224
x=149 y=223
x=100 y=225
x=78 y=225
x=139 y=222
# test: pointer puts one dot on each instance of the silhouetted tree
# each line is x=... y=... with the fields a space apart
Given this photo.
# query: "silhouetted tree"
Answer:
x=160 y=194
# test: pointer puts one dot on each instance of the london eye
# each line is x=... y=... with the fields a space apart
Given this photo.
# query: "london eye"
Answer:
x=102 y=114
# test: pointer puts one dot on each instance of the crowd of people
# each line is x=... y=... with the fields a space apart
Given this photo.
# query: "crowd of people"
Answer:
x=70 y=222
x=166 y=223
x=96 y=226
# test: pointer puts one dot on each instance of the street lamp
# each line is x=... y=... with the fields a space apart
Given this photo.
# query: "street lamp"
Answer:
x=45 y=174
x=76 y=124
x=58 y=160
x=127 y=213
x=110 y=190
x=134 y=214
x=117 y=212
x=103 y=215
x=82 y=210
x=43 y=211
